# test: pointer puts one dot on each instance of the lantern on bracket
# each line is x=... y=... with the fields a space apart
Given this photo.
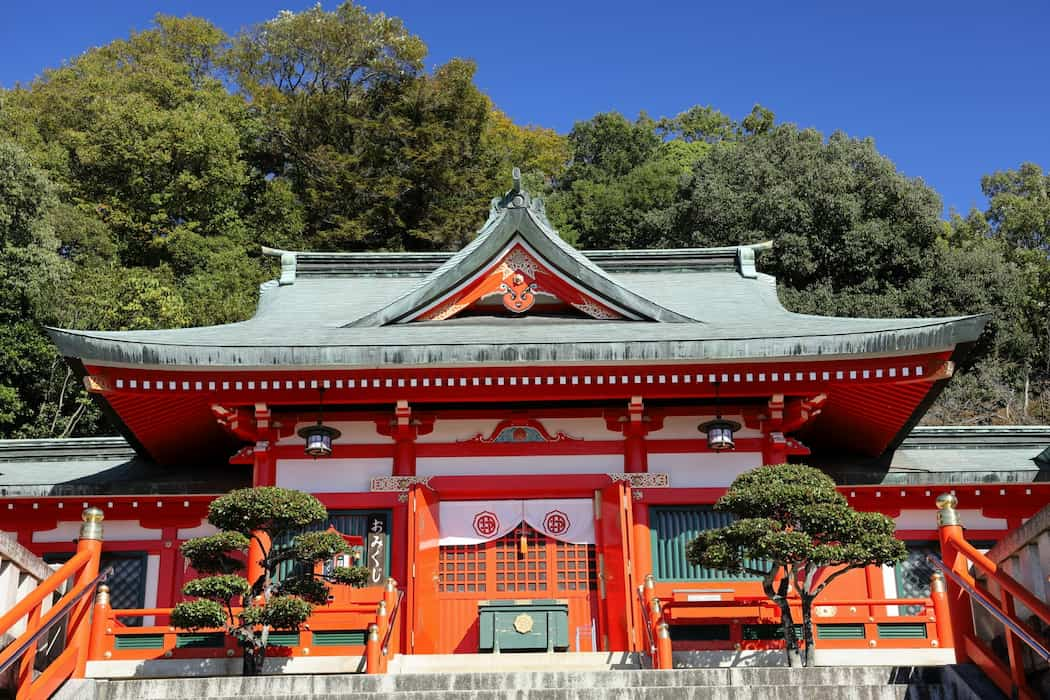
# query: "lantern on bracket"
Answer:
x=719 y=431
x=319 y=436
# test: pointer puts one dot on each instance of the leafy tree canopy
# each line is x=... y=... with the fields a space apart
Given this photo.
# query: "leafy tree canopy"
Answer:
x=792 y=518
x=264 y=516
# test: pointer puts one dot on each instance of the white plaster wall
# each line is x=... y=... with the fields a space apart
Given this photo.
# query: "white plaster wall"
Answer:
x=457 y=430
x=526 y=465
x=926 y=519
x=704 y=469
x=581 y=428
x=113 y=531
x=450 y=431
x=684 y=428
x=331 y=475
x=202 y=530
x=353 y=433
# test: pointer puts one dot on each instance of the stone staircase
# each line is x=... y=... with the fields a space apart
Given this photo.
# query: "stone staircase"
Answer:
x=838 y=683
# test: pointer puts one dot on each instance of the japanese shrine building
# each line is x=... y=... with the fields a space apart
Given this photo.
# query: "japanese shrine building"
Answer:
x=521 y=420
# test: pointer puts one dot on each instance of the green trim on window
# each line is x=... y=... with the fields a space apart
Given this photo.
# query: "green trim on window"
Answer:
x=348 y=522
x=339 y=638
x=840 y=631
x=139 y=641
x=199 y=640
x=283 y=639
x=672 y=528
x=902 y=630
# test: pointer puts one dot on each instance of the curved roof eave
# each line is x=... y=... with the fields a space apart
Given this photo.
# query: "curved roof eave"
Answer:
x=444 y=343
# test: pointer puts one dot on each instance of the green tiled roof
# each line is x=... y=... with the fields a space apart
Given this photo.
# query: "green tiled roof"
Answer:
x=345 y=309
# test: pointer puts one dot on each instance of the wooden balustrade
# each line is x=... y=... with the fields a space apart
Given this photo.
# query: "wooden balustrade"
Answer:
x=36 y=615
x=333 y=630
x=963 y=591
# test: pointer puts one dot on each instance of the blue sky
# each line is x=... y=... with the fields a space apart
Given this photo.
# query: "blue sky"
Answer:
x=949 y=90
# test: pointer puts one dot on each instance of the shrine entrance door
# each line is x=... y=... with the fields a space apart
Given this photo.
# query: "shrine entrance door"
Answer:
x=523 y=564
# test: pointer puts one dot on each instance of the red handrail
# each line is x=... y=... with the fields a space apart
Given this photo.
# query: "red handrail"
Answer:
x=43 y=590
x=1004 y=579
x=83 y=567
x=957 y=555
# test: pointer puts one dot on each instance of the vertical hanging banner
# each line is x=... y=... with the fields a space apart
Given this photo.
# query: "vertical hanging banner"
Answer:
x=375 y=555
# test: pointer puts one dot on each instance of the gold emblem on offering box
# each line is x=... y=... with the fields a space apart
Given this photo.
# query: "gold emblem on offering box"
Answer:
x=523 y=623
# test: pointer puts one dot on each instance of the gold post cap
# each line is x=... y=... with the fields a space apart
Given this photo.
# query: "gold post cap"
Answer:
x=946 y=513
x=91 y=528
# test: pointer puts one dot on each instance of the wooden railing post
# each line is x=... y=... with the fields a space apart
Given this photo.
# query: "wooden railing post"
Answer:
x=663 y=647
x=99 y=621
x=390 y=594
x=372 y=650
x=382 y=625
x=79 y=631
x=960 y=613
x=24 y=680
x=939 y=596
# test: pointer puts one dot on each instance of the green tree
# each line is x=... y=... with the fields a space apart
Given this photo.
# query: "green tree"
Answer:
x=623 y=176
x=265 y=515
x=1019 y=215
x=793 y=519
x=29 y=268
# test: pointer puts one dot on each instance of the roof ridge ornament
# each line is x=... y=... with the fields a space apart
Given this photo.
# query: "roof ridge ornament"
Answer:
x=517 y=197
x=745 y=258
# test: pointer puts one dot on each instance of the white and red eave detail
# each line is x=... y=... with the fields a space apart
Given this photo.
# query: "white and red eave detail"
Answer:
x=869 y=400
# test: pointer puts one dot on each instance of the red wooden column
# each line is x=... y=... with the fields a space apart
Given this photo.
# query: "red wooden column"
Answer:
x=786 y=416
x=635 y=426
x=635 y=454
x=264 y=468
x=404 y=428
x=404 y=434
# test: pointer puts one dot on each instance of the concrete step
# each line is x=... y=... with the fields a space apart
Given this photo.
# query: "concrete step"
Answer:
x=515 y=663
x=841 y=682
x=827 y=692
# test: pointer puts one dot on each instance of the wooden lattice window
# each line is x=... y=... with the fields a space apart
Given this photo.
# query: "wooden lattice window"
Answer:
x=543 y=566
x=461 y=568
x=518 y=571
x=576 y=567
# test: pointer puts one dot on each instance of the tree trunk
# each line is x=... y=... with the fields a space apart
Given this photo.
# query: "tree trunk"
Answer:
x=787 y=624
x=807 y=629
x=253 y=661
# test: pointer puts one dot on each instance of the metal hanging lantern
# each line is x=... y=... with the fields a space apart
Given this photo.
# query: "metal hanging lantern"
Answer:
x=319 y=436
x=719 y=431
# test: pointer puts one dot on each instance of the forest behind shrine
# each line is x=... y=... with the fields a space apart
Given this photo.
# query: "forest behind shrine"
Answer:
x=139 y=180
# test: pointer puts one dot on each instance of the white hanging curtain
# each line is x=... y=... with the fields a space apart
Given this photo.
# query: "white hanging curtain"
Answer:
x=473 y=522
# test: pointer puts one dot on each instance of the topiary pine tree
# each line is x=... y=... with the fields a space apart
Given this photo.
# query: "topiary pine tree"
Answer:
x=803 y=532
x=264 y=514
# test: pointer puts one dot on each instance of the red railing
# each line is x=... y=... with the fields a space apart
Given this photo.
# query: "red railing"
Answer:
x=113 y=639
x=73 y=608
x=657 y=632
x=957 y=556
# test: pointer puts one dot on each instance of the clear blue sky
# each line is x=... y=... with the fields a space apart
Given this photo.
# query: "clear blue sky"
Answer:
x=948 y=90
